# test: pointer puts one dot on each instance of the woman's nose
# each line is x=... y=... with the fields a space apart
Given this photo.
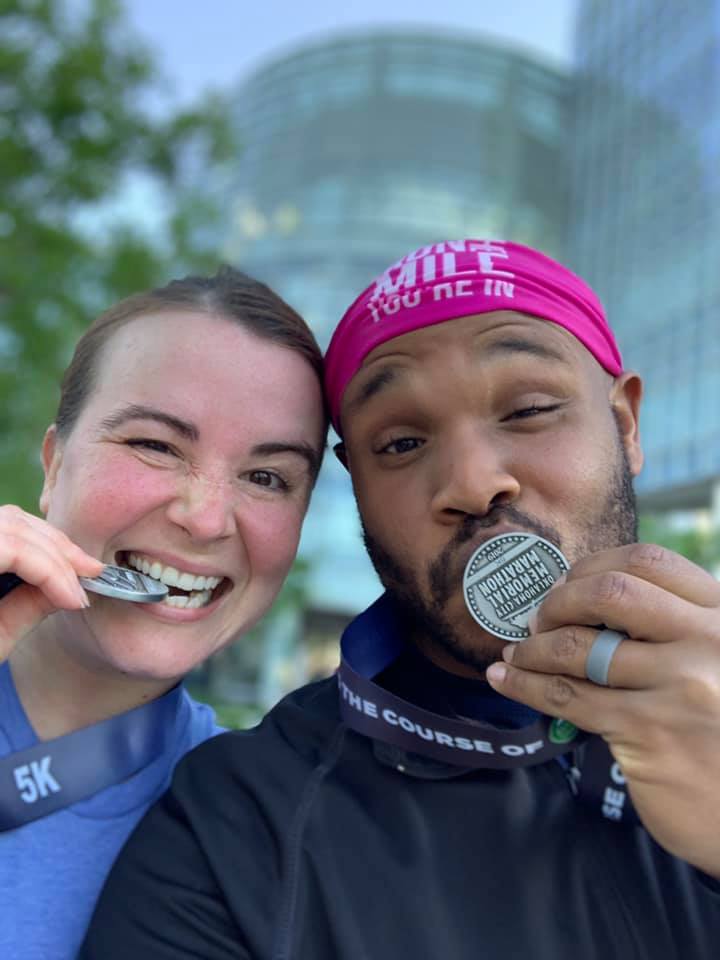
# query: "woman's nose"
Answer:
x=205 y=508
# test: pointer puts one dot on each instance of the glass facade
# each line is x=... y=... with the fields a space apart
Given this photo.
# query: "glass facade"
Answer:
x=645 y=228
x=361 y=148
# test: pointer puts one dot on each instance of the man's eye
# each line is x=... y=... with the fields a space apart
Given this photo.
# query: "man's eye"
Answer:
x=155 y=446
x=266 y=478
x=402 y=445
x=525 y=413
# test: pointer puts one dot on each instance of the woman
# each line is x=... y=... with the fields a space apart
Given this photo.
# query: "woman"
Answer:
x=188 y=437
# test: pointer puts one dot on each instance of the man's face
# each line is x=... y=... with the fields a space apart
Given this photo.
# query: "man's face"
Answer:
x=478 y=426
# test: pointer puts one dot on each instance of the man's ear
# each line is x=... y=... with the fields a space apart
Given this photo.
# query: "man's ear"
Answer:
x=341 y=453
x=51 y=460
x=625 y=398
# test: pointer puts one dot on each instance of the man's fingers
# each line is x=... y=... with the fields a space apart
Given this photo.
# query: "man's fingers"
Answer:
x=656 y=565
x=635 y=664
x=620 y=601
x=590 y=707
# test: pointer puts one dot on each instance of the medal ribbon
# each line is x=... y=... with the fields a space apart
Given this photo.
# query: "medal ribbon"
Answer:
x=374 y=712
x=372 y=642
x=56 y=773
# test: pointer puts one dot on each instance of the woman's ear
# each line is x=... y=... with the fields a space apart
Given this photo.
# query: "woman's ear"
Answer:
x=51 y=460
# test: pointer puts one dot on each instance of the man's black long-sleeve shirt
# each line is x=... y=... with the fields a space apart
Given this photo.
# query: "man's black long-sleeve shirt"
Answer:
x=302 y=840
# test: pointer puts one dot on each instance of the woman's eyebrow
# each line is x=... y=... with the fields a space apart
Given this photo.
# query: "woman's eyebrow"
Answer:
x=304 y=450
x=137 y=411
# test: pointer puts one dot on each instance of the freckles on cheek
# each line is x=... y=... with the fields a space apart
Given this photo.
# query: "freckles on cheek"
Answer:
x=125 y=490
x=271 y=538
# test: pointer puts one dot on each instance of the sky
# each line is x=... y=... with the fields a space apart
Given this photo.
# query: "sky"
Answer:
x=213 y=44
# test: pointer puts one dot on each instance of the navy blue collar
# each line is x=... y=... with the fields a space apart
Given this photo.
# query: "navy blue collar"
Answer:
x=376 y=646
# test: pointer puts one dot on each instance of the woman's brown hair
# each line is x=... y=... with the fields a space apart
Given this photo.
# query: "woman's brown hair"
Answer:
x=230 y=294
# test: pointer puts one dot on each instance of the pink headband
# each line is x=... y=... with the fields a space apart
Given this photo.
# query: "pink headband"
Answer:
x=456 y=279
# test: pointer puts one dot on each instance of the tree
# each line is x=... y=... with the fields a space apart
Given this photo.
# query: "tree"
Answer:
x=75 y=127
x=242 y=681
x=699 y=544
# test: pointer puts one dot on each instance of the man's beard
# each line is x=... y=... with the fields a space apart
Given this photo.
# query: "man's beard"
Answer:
x=615 y=525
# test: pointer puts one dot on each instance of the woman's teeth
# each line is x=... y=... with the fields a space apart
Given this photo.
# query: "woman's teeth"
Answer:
x=191 y=600
x=171 y=576
x=197 y=590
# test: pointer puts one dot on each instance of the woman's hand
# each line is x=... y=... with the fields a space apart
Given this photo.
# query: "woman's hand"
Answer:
x=50 y=565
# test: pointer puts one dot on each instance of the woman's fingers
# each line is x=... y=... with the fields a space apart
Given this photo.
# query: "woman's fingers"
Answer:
x=49 y=563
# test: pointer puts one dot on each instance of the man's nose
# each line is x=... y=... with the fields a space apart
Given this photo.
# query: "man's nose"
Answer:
x=205 y=507
x=473 y=476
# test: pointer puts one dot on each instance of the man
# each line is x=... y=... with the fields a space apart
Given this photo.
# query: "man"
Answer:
x=425 y=803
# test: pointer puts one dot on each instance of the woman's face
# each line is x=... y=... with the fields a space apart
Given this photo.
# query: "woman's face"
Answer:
x=193 y=459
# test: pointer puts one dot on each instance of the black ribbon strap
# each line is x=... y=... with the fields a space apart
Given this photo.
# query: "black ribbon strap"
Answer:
x=375 y=712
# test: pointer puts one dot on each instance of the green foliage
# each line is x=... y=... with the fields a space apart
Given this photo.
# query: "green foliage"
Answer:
x=700 y=545
x=74 y=125
x=234 y=716
x=231 y=680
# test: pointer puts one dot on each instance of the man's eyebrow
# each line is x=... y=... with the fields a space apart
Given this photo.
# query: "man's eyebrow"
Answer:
x=375 y=384
x=388 y=375
x=304 y=450
x=137 y=411
x=520 y=345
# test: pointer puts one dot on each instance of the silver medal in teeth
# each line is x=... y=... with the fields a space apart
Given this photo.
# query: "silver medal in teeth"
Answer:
x=125 y=584
x=506 y=578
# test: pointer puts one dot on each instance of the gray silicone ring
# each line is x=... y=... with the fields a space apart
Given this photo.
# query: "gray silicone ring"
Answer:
x=601 y=654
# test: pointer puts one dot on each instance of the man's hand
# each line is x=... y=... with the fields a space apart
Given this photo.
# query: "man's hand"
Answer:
x=660 y=714
x=49 y=563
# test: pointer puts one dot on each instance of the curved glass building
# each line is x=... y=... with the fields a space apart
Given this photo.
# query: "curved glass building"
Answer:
x=646 y=224
x=361 y=147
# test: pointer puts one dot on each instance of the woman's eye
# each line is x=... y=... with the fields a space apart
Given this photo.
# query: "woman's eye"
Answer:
x=534 y=410
x=402 y=445
x=266 y=478
x=155 y=446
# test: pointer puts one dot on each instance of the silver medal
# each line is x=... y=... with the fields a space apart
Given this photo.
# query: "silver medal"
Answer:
x=125 y=584
x=506 y=578
x=118 y=582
